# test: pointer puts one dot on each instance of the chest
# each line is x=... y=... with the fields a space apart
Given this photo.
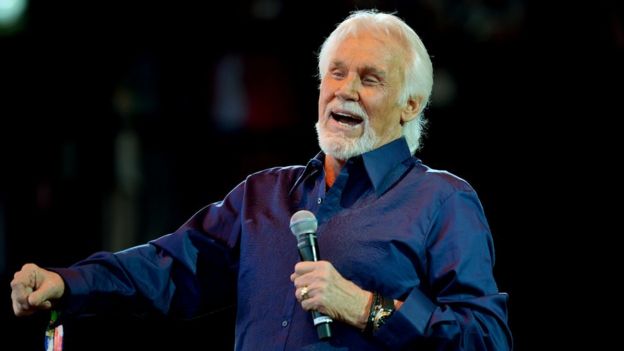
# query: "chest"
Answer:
x=379 y=245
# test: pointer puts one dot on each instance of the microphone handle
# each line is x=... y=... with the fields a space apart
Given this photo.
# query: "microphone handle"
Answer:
x=321 y=321
x=308 y=250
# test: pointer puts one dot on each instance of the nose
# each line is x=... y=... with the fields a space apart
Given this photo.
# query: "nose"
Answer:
x=349 y=89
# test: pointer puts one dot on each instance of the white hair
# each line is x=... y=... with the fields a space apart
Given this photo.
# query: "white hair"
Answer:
x=418 y=72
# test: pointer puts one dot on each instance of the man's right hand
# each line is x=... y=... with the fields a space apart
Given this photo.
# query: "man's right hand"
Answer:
x=34 y=288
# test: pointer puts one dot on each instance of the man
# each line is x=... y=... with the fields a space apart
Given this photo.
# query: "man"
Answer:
x=407 y=251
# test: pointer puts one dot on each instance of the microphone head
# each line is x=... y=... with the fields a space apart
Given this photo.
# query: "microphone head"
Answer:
x=303 y=222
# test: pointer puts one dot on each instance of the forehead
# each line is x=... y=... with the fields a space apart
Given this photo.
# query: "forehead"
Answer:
x=368 y=49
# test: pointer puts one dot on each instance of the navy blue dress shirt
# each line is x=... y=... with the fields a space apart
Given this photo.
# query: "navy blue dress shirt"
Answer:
x=389 y=224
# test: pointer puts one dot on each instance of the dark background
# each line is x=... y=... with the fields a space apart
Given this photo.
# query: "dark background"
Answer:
x=119 y=120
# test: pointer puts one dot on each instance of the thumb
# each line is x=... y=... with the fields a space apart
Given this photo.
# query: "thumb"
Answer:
x=40 y=298
x=49 y=289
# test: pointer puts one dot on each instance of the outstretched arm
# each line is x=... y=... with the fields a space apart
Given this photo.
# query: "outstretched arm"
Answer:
x=161 y=276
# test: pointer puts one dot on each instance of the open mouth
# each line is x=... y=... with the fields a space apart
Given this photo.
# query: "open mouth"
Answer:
x=347 y=119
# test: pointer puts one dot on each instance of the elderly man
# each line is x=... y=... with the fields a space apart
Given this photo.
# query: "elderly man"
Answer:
x=407 y=252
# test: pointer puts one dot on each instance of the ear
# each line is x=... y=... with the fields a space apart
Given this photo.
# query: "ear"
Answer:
x=411 y=109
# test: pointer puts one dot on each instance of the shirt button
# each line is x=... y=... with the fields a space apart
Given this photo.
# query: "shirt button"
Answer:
x=284 y=323
x=319 y=201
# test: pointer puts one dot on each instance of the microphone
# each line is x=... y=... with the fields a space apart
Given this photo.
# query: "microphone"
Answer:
x=303 y=225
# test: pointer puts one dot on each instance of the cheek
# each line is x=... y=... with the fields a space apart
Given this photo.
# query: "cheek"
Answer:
x=325 y=96
x=386 y=118
x=325 y=92
x=322 y=102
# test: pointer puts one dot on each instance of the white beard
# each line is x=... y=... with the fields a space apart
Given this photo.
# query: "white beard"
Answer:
x=342 y=148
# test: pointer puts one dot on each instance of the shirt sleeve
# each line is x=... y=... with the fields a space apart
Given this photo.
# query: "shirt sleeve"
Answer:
x=459 y=307
x=181 y=274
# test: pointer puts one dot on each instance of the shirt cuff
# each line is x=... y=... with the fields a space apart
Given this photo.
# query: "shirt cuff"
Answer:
x=76 y=291
x=409 y=322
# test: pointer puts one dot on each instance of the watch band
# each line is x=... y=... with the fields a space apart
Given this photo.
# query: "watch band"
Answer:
x=381 y=309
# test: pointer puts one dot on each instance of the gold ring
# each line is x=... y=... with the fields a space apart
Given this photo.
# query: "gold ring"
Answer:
x=304 y=293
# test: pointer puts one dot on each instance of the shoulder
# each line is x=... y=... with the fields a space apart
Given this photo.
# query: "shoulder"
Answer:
x=276 y=174
x=441 y=181
x=450 y=196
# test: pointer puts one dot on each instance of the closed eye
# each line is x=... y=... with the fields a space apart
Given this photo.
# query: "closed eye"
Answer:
x=371 y=80
x=337 y=74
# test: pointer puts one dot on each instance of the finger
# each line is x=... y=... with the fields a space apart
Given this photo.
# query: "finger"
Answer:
x=20 y=303
x=305 y=305
x=38 y=298
x=18 y=309
x=45 y=292
x=20 y=279
x=29 y=274
x=305 y=292
x=302 y=281
x=20 y=292
x=21 y=287
x=304 y=267
x=298 y=294
x=309 y=304
x=315 y=304
x=41 y=298
x=302 y=293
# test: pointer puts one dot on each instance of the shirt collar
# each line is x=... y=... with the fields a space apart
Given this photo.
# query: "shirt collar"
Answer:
x=384 y=165
x=314 y=166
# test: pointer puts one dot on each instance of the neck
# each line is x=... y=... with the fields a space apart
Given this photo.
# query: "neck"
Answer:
x=332 y=169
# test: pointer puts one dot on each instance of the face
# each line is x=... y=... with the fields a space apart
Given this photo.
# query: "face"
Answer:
x=359 y=96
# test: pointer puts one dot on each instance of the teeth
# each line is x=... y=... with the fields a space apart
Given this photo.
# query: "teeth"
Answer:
x=346 y=115
x=346 y=120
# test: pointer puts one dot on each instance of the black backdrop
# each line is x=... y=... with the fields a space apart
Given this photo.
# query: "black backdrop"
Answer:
x=109 y=106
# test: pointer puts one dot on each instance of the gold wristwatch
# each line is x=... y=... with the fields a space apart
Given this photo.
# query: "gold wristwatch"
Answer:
x=381 y=309
x=385 y=309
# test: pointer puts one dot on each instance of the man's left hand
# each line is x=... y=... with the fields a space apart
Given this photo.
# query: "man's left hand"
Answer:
x=328 y=292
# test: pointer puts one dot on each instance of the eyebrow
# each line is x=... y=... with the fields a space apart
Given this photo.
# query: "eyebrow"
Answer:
x=366 y=69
